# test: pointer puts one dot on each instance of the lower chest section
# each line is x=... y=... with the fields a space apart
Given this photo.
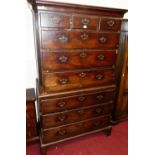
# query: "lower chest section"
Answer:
x=75 y=114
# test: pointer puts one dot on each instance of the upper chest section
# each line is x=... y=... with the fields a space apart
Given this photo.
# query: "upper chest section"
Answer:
x=70 y=16
x=73 y=21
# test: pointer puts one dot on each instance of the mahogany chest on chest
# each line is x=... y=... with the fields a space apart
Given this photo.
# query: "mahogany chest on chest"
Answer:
x=77 y=50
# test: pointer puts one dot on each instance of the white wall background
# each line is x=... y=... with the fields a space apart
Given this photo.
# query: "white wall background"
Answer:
x=31 y=72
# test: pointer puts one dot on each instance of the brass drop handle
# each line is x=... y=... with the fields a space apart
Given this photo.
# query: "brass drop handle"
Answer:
x=110 y=23
x=100 y=97
x=81 y=98
x=62 y=118
x=82 y=75
x=99 y=76
x=100 y=57
x=63 y=39
x=103 y=39
x=63 y=80
x=83 y=55
x=61 y=104
x=98 y=110
x=56 y=19
x=62 y=132
x=63 y=59
x=84 y=36
x=85 y=22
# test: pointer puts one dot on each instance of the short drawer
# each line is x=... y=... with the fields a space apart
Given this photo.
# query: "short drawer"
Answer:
x=61 y=81
x=75 y=59
x=110 y=24
x=57 y=119
x=75 y=101
x=85 y=22
x=54 y=20
x=78 y=39
x=58 y=133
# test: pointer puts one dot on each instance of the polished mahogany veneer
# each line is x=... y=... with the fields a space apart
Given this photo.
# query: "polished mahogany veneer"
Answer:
x=70 y=116
x=51 y=105
x=57 y=60
x=58 y=133
x=121 y=107
x=61 y=81
x=111 y=24
x=77 y=49
x=78 y=39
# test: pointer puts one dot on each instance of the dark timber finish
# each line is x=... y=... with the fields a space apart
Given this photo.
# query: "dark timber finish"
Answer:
x=121 y=106
x=77 y=47
x=31 y=123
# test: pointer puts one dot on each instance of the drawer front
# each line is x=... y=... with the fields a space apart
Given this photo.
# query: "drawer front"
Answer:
x=109 y=24
x=85 y=22
x=76 y=59
x=30 y=115
x=61 y=118
x=72 y=102
x=72 y=130
x=54 y=20
x=60 y=81
x=30 y=106
x=78 y=39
